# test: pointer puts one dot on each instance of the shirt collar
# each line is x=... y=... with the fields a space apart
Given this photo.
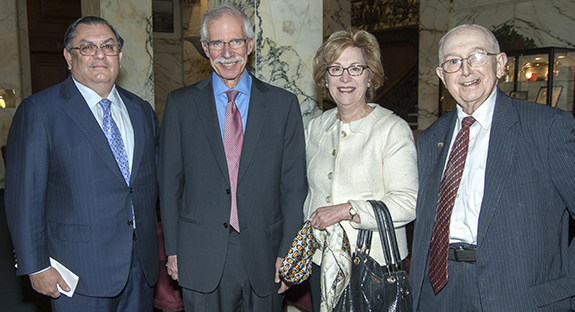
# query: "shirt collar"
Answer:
x=243 y=85
x=483 y=114
x=93 y=98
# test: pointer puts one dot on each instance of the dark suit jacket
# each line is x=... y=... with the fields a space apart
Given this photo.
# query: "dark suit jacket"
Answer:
x=194 y=184
x=65 y=195
x=523 y=258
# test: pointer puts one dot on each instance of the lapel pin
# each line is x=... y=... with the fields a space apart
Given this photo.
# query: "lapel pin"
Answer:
x=440 y=144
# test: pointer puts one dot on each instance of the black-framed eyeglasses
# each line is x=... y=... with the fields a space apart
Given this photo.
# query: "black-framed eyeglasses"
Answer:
x=218 y=45
x=476 y=59
x=354 y=70
x=90 y=49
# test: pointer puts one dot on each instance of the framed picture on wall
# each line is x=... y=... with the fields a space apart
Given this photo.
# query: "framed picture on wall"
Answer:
x=542 y=96
x=166 y=18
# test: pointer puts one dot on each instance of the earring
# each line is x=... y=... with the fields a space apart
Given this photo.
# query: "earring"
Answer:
x=327 y=85
x=369 y=84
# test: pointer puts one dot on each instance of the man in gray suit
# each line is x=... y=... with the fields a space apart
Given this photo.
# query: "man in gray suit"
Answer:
x=232 y=177
x=496 y=192
x=81 y=183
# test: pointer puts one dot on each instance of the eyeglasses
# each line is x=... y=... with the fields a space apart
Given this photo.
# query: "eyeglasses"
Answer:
x=354 y=70
x=90 y=49
x=476 y=59
x=218 y=45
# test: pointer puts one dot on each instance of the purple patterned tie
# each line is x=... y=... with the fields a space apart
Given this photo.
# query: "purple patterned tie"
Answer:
x=233 y=140
x=447 y=193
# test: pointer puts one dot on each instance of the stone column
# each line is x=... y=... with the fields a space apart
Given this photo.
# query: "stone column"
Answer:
x=133 y=20
x=288 y=33
x=433 y=24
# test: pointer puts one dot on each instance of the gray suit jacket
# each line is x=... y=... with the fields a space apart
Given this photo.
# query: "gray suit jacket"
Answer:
x=523 y=258
x=194 y=184
x=66 y=197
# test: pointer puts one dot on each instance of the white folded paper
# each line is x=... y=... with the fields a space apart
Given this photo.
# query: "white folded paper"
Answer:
x=69 y=277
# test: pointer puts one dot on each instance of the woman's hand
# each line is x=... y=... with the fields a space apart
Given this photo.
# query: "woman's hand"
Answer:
x=328 y=215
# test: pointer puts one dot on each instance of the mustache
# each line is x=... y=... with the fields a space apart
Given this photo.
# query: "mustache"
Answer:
x=235 y=58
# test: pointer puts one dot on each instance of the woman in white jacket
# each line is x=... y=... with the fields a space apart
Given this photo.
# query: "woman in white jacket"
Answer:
x=356 y=152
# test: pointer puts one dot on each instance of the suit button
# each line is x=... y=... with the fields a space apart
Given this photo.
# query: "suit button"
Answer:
x=228 y=191
x=131 y=190
x=330 y=175
x=130 y=222
x=343 y=134
x=328 y=199
x=225 y=225
x=334 y=153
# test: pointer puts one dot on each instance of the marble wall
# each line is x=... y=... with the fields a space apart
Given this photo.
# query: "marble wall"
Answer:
x=288 y=33
x=133 y=20
x=545 y=21
x=336 y=16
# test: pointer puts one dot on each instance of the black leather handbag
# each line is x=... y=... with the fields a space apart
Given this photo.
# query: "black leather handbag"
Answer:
x=375 y=287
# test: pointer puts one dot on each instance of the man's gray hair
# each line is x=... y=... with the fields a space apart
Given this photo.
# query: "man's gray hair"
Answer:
x=225 y=9
x=493 y=43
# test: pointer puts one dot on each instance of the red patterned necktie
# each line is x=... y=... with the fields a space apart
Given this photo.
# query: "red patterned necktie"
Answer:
x=447 y=194
x=233 y=140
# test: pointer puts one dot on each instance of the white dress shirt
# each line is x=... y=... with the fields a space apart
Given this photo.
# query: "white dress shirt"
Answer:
x=119 y=113
x=465 y=216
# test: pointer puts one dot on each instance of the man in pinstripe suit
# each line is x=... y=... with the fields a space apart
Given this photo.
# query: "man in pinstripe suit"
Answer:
x=66 y=196
x=507 y=243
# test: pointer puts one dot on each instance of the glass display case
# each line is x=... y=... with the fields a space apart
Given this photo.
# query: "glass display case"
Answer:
x=530 y=74
x=543 y=75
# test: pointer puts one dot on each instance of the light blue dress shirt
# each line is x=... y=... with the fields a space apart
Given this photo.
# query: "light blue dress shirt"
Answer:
x=244 y=86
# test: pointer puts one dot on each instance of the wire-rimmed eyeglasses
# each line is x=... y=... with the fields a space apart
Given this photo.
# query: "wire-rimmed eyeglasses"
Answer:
x=476 y=59
x=90 y=49
x=354 y=70
x=218 y=45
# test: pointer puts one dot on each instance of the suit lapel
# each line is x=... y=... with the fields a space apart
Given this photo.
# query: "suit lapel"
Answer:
x=438 y=151
x=499 y=159
x=256 y=118
x=76 y=108
x=443 y=134
x=135 y=113
x=208 y=116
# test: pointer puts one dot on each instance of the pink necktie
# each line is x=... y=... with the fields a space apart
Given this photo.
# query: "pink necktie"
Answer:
x=233 y=139
x=447 y=193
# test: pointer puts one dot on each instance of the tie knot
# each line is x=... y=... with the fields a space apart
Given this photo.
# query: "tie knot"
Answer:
x=232 y=95
x=467 y=121
x=105 y=103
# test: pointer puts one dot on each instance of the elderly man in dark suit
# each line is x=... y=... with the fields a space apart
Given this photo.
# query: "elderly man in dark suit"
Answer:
x=496 y=190
x=81 y=181
x=231 y=175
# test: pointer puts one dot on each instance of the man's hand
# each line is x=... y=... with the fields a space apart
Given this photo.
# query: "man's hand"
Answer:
x=173 y=267
x=45 y=283
x=284 y=286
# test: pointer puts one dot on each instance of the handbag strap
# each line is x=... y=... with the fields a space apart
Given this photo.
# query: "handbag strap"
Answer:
x=386 y=233
x=363 y=242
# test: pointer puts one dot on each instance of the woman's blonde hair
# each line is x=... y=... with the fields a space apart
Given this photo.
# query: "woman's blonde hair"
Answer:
x=334 y=46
